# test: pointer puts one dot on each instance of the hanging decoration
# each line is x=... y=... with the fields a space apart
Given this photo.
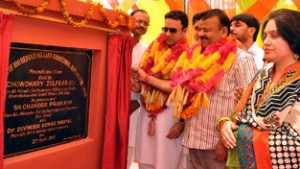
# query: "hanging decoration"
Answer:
x=27 y=11
x=70 y=20
x=112 y=24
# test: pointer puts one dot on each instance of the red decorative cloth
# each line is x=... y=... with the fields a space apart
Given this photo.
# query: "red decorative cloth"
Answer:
x=6 y=28
x=118 y=102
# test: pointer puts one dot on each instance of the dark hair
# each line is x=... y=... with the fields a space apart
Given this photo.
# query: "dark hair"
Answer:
x=288 y=27
x=250 y=20
x=138 y=10
x=178 y=15
x=223 y=18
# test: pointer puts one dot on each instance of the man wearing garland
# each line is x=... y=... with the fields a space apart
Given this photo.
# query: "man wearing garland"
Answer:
x=141 y=26
x=204 y=79
x=159 y=139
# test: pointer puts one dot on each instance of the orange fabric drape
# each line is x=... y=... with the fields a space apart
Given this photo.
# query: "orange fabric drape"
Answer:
x=199 y=5
x=115 y=144
x=202 y=5
x=297 y=3
x=6 y=29
x=261 y=8
x=176 y=4
x=227 y=6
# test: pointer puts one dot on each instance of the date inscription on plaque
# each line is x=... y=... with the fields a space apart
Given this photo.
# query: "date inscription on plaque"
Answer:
x=47 y=97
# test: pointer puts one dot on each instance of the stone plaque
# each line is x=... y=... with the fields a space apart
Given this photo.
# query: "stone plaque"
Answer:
x=47 y=97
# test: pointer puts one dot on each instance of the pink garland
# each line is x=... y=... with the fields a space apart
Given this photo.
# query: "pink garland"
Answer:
x=186 y=79
x=176 y=51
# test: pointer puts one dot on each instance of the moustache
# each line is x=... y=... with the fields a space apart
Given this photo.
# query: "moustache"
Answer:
x=140 y=28
x=233 y=33
x=203 y=38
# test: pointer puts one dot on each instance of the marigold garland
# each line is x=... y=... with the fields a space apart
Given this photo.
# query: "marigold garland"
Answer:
x=70 y=19
x=112 y=24
x=196 y=76
x=158 y=61
x=27 y=11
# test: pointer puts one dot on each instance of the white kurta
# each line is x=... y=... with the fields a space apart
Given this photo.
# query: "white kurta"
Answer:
x=158 y=150
x=258 y=55
x=137 y=54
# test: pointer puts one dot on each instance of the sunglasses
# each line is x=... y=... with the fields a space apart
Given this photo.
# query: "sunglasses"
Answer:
x=172 y=30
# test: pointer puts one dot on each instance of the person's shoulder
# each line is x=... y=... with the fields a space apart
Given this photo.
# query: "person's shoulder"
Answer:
x=255 y=46
x=243 y=57
x=241 y=54
x=141 y=45
x=256 y=50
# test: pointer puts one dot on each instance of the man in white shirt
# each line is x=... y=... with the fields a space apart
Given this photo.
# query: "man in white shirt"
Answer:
x=245 y=27
x=141 y=27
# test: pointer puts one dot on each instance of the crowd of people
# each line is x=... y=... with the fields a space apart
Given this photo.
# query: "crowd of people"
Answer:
x=214 y=104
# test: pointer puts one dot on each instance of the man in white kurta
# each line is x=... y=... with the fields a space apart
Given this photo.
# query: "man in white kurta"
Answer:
x=142 y=23
x=137 y=52
x=159 y=136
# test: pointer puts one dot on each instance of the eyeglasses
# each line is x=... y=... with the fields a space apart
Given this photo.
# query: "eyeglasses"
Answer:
x=172 y=30
x=142 y=22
